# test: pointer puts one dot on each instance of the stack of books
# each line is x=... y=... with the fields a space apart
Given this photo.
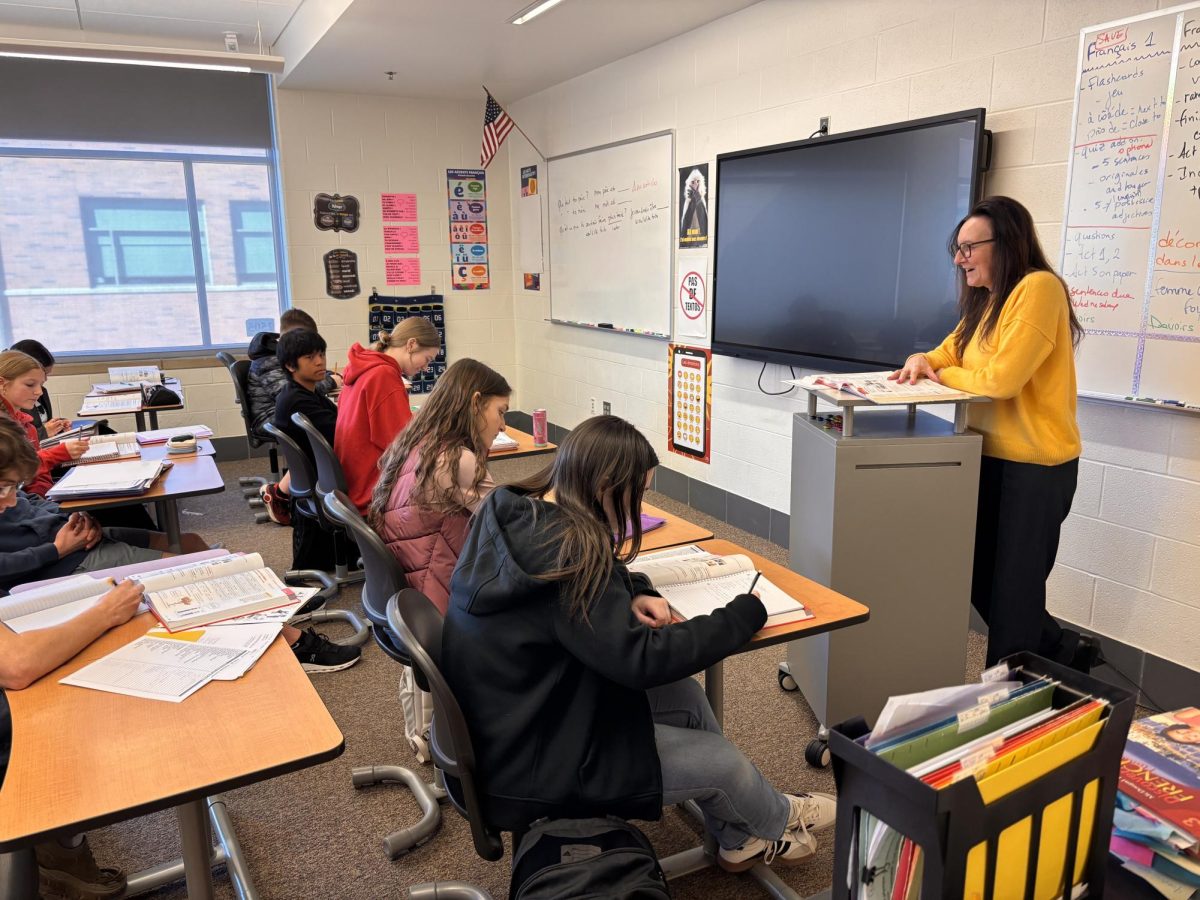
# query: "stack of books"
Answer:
x=1156 y=826
x=118 y=479
x=1005 y=733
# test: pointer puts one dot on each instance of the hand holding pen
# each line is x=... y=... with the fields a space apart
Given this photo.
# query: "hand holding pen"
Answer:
x=750 y=590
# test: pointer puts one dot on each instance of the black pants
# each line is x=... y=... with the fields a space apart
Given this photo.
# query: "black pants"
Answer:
x=1021 y=510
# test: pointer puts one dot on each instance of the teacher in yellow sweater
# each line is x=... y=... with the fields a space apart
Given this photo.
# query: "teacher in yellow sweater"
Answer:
x=1015 y=344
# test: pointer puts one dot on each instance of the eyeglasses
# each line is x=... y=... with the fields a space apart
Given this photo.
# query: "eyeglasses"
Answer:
x=966 y=247
x=7 y=488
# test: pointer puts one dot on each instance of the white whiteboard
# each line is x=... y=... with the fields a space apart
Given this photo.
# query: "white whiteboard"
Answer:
x=611 y=235
x=1131 y=229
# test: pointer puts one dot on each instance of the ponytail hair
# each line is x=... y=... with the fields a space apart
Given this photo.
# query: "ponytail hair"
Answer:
x=602 y=455
x=447 y=424
x=417 y=327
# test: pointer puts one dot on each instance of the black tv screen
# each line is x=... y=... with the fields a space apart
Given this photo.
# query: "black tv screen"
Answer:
x=831 y=253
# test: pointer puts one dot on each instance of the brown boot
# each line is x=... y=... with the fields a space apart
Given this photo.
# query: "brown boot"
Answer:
x=72 y=872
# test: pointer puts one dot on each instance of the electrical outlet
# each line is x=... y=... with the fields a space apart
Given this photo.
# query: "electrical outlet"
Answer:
x=607 y=408
x=824 y=125
x=593 y=406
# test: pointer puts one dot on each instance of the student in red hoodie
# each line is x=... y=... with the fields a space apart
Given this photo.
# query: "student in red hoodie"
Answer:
x=373 y=406
x=21 y=380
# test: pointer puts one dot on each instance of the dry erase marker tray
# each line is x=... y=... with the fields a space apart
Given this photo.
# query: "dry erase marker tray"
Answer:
x=947 y=824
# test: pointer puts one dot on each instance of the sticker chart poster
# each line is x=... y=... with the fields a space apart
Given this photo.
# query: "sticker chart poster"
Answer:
x=693 y=203
x=689 y=401
x=467 y=197
x=399 y=207
x=402 y=270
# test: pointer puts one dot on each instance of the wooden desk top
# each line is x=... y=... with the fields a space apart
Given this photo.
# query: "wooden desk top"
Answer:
x=190 y=476
x=524 y=446
x=83 y=758
x=677 y=531
x=830 y=609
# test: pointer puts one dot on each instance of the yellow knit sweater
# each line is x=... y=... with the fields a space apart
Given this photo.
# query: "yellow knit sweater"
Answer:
x=1027 y=368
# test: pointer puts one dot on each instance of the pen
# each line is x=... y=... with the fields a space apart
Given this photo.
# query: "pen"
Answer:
x=757 y=575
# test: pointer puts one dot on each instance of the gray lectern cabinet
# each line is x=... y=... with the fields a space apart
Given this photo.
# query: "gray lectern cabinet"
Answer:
x=886 y=517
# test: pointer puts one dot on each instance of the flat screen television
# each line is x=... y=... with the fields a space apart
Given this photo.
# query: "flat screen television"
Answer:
x=830 y=253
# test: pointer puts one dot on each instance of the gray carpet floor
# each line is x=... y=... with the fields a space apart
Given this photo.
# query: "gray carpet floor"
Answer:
x=312 y=835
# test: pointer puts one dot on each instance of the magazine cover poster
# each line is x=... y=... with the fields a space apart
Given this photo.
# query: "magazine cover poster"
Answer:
x=693 y=206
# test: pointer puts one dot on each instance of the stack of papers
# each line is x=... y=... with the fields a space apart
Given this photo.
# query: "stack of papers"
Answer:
x=135 y=375
x=111 y=403
x=162 y=435
x=504 y=442
x=119 y=479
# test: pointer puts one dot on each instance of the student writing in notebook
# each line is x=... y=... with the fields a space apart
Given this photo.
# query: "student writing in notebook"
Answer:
x=373 y=408
x=66 y=865
x=575 y=687
x=433 y=477
x=21 y=380
x=1015 y=343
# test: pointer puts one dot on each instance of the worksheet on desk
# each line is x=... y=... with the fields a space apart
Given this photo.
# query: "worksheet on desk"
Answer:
x=155 y=669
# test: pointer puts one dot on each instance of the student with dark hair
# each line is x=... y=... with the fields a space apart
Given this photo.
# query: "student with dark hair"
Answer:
x=1015 y=343
x=264 y=381
x=574 y=682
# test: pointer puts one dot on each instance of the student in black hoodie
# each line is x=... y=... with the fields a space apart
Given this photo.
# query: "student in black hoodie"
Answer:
x=574 y=683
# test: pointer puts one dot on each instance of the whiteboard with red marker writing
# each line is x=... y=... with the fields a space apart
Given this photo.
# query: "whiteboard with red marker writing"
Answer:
x=1131 y=228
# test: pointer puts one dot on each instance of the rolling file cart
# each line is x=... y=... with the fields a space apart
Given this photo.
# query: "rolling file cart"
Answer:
x=883 y=510
x=1023 y=824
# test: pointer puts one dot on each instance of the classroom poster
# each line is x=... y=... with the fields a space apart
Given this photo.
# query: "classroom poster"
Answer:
x=689 y=401
x=341 y=274
x=693 y=207
x=333 y=212
x=401 y=239
x=403 y=270
x=691 y=297
x=529 y=229
x=466 y=191
x=399 y=207
x=529 y=181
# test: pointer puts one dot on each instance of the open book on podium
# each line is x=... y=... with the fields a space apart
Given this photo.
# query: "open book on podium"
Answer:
x=879 y=388
x=186 y=596
x=696 y=583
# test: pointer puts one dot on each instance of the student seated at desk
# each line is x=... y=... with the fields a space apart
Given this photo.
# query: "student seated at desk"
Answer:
x=573 y=680
x=264 y=381
x=433 y=477
x=65 y=866
x=42 y=411
x=374 y=406
x=21 y=380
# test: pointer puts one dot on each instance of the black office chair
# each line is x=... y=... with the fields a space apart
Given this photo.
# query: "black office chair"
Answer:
x=330 y=476
x=307 y=504
x=413 y=617
x=384 y=578
x=239 y=372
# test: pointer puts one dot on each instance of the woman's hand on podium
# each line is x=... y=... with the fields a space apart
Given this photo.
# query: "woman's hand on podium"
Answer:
x=915 y=368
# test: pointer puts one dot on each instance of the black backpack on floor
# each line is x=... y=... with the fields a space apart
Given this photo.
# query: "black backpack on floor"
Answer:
x=597 y=859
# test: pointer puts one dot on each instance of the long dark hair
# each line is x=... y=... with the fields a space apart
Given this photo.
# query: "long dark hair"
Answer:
x=603 y=454
x=447 y=424
x=1016 y=252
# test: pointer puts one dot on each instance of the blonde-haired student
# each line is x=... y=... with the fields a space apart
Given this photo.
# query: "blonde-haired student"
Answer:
x=21 y=380
x=373 y=406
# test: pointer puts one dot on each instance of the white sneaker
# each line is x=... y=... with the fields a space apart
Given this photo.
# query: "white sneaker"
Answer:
x=809 y=812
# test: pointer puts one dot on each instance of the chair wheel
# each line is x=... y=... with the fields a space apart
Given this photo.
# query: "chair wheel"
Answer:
x=816 y=754
x=787 y=682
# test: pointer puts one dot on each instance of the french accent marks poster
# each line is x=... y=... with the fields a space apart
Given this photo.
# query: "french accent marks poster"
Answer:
x=467 y=197
x=689 y=401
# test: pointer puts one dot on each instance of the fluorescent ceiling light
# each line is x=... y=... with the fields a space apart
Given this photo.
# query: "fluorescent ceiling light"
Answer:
x=141 y=56
x=533 y=11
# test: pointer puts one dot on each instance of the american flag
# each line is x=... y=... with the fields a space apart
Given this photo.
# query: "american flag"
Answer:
x=496 y=126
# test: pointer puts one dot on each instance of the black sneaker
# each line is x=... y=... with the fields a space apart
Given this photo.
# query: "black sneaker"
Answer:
x=319 y=654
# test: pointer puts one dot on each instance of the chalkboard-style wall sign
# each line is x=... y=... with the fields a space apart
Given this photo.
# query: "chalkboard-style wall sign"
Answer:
x=341 y=274
x=333 y=212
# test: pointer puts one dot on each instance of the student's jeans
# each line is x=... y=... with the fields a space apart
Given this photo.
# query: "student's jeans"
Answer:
x=699 y=763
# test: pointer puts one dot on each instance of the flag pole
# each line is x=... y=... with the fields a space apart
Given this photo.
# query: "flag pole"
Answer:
x=518 y=127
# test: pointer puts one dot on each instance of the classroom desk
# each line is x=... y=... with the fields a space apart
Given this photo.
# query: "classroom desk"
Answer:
x=190 y=476
x=675 y=532
x=525 y=446
x=830 y=610
x=82 y=759
x=139 y=414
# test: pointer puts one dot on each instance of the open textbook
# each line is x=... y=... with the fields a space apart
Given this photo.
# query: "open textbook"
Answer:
x=697 y=584
x=190 y=595
x=878 y=388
